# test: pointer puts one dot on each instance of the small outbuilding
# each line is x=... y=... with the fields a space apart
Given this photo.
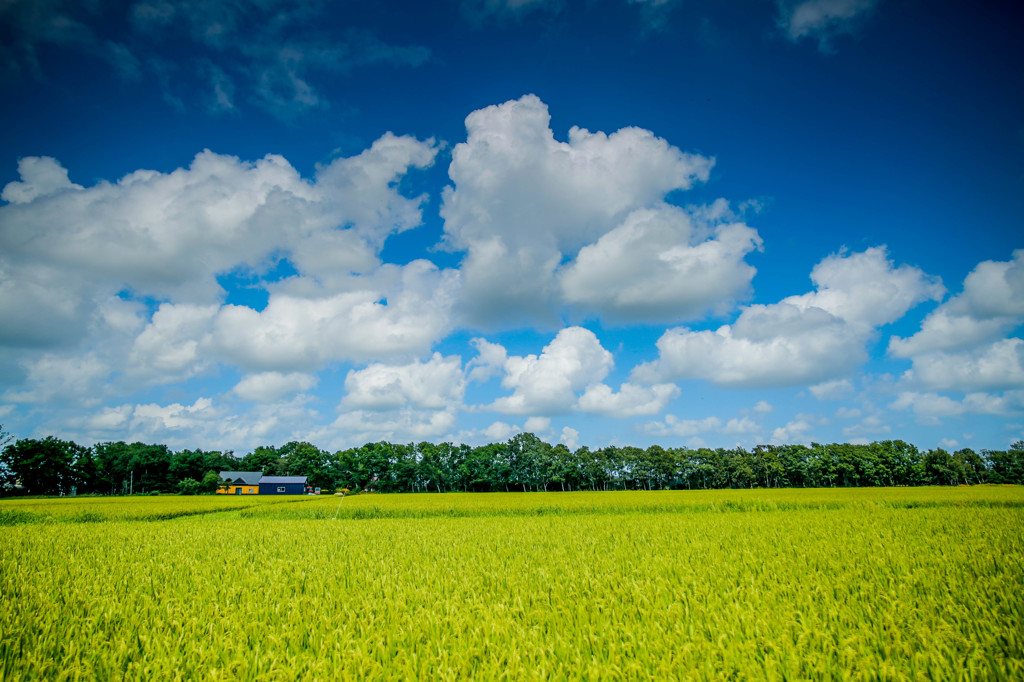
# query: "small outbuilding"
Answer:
x=240 y=482
x=283 y=485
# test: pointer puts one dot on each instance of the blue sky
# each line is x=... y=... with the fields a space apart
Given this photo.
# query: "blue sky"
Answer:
x=228 y=224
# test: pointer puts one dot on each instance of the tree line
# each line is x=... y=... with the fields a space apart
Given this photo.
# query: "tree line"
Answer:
x=52 y=466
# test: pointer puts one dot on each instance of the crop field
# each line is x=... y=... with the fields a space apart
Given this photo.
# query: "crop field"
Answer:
x=784 y=584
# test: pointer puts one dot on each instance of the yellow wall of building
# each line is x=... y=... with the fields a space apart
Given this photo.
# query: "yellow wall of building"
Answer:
x=246 y=490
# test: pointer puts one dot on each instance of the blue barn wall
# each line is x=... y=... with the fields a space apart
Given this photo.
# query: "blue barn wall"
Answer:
x=293 y=486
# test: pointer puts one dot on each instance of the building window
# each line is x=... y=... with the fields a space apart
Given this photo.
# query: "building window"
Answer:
x=280 y=489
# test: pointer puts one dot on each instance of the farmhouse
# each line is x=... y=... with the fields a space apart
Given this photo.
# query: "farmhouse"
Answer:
x=240 y=482
x=283 y=485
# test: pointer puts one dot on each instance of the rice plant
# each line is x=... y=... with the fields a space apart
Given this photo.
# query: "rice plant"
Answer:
x=871 y=586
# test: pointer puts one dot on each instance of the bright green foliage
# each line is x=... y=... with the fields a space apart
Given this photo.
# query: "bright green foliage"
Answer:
x=189 y=486
x=879 y=584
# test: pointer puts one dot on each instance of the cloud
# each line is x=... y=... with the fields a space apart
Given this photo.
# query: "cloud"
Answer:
x=673 y=426
x=63 y=378
x=741 y=426
x=499 y=431
x=175 y=416
x=871 y=425
x=933 y=405
x=401 y=311
x=962 y=344
x=83 y=375
x=275 y=51
x=40 y=176
x=990 y=305
x=659 y=265
x=998 y=365
x=570 y=437
x=832 y=390
x=795 y=431
x=32 y=26
x=811 y=338
x=436 y=384
x=144 y=232
x=522 y=201
x=278 y=52
x=204 y=421
x=169 y=236
x=655 y=13
x=269 y=387
x=690 y=428
x=111 y=418
x=220 y=97
x=401 y=402
x=537 y=424
x=822 y=20
x=145 y=229
x=171 y=347
x=477 y=12
x=396 y=426
x=489 y=362
x=629 y=401
x=41 y=307
x=1009 y=402
x=547 y=384
x=927 y=404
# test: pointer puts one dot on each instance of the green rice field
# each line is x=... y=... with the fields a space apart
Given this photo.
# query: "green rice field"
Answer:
x=872 y=584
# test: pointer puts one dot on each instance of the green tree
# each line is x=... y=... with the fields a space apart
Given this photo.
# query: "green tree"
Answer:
x=211 y=482
x=149 y=468
x=305 y=459
x=42 y=467
x=938 y=468
x=189 y=486
x=188 y=464
x=87 y=473
x=264 y=458
x=1006 y=466
x=112 y=470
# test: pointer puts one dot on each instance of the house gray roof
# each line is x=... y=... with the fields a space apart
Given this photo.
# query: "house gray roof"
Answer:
x=242 y=477
x=283 y=479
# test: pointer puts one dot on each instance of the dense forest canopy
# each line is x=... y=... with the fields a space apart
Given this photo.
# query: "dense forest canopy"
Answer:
x=51 y=466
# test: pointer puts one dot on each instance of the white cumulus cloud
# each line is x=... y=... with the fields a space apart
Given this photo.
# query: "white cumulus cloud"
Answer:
x=547 y=383
x=268 y=387
x=630 y=400
x=400 y=311
x=963 y=344
x=659 y=265
x=522 y=200
x=169 y=235
x=811 y=338
x=795 y=431
x=40 y=176
x=674 y=426
x=435 y=384
x=396 y=426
